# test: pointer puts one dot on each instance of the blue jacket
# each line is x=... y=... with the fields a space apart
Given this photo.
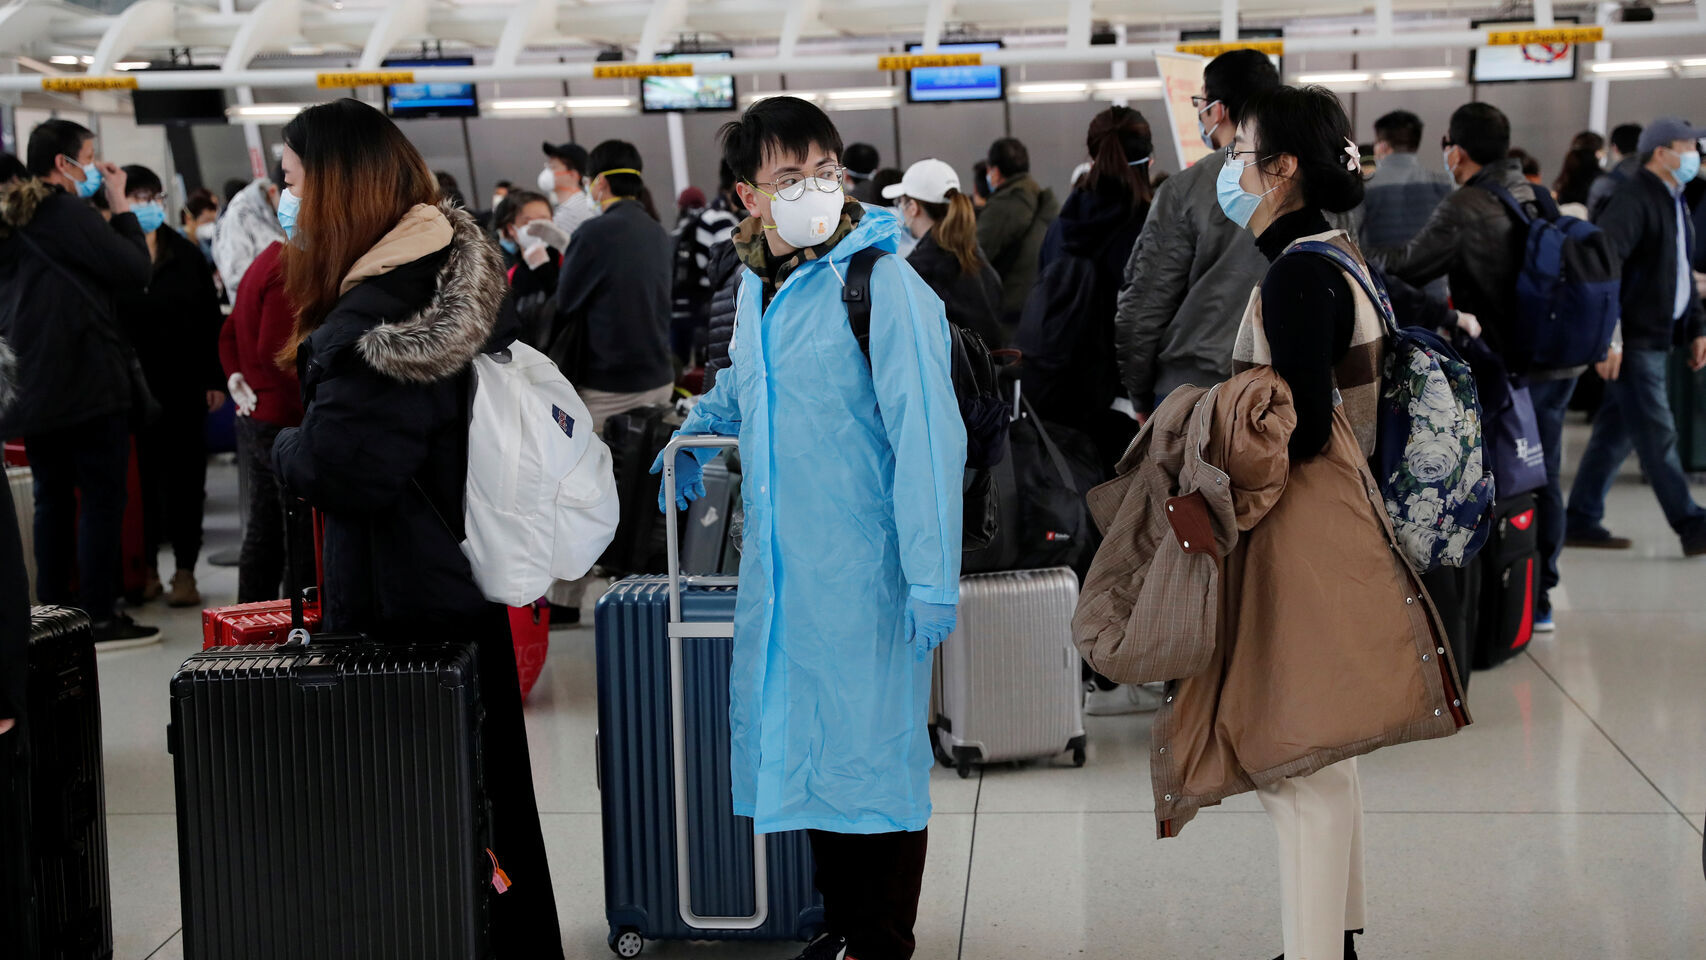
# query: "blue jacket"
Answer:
x=852 y=494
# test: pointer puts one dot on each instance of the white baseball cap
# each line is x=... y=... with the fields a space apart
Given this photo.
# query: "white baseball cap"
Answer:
x=927 y=180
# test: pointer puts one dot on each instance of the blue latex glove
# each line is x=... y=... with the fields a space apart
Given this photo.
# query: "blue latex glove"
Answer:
x=689 y=480
x=928 y=624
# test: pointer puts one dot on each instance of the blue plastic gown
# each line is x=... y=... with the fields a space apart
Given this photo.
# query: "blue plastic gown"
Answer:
x=852 y=487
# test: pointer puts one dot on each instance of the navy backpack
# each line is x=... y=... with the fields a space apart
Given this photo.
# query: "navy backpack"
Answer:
x=1567 y=290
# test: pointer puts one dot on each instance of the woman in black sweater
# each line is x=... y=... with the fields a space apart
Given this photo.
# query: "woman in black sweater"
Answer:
x=1291 y=163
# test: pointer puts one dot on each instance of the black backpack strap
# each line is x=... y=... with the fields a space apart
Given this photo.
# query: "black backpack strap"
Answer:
x=856 y=294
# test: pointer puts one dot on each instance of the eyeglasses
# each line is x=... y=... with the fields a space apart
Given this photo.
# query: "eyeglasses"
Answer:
x=1232 y=154
x=1445 y=143
x=146 y=196
x=1200 y=102
x=793 y=186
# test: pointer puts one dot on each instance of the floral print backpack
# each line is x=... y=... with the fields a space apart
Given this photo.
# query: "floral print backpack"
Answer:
x=1429 y=457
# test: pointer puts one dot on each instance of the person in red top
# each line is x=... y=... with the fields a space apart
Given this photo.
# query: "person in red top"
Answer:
x=268 y=399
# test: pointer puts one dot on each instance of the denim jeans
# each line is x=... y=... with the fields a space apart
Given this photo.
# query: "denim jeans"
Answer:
x=1551 y=401
x=1637 y=417
x=91 y=458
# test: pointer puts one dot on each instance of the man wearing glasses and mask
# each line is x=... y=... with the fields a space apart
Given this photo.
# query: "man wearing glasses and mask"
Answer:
x=853 y=456
x=1192 y=270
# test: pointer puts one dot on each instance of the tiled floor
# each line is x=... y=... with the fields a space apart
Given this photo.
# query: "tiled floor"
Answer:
x=1565 y=824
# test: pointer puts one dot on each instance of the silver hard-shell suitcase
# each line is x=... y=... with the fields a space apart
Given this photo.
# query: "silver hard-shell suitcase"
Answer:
x=1008 y=681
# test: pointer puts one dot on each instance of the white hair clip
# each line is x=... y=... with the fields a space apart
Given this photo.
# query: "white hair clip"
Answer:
x=1354 y=164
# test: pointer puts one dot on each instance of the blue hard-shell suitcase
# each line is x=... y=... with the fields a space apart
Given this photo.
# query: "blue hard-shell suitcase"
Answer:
x=678 y=863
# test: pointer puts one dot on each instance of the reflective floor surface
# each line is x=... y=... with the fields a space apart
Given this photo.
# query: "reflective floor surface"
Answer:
x=1565 y=824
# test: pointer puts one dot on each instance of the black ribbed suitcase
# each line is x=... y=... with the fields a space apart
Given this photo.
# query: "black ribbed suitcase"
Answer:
x=68 y=817
x=327 y=802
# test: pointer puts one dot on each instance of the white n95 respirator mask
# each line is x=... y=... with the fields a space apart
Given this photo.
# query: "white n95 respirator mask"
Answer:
x=810 y=219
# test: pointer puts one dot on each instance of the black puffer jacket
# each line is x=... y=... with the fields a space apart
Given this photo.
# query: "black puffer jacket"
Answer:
x=14 y=582
x=175 y=324
x=58 y=313
x=383 y=447
x=1640 y=219
x=724 y=272
x=972 y=300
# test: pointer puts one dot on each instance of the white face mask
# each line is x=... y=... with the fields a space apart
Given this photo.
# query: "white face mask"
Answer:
x=547 y=181
x=810 y=220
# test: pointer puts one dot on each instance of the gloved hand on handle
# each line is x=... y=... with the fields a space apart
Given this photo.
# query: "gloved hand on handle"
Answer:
x=546 y=231
x=242 y=393
x=689 y=480
x=928 y=624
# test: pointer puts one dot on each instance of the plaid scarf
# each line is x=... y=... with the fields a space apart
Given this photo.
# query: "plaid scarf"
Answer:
x=754 y=251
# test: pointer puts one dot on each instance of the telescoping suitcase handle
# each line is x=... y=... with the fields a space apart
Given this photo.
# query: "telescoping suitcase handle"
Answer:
x=293 y=582
x=678 y=632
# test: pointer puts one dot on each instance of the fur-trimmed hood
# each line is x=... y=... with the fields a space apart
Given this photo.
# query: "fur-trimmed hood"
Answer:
x=19 y=201
x=443 y=337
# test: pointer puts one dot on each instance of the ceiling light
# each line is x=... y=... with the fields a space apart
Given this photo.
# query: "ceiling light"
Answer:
x=1107 y=88
x=65 y=60
x=1695 y=62
x=305 y=50
x=263 y=112
x=1445 y=73
x=1329 y=78
x=85 y=60
x=1630 y=66
x=864 y=93
x=1048 y=88
x=132 y=65
x=550 y=104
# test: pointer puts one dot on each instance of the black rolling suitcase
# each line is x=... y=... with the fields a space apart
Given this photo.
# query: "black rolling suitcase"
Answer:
x=331 y=801
x=60 y=799
x=634 y=439
x=1510 y=585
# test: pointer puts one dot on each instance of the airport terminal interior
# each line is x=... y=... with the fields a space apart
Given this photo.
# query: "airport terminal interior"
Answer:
x=1566 y=822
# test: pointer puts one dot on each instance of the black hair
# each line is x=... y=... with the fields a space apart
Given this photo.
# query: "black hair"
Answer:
x=1236 y=76
x=511 y=206
x=1401 y=130
x=199 y=201
x=1626 y=137
x=980 y=178
x=573 y=157
x=1009 y=156
x=52 y=139
x=725 y=177
x=1309 y=123
x=138 y=177
x=1581 y=168
x=11 y=168
x=1482 y=130
x=617 y=155
x=1587 y=140
x=860 y=159
x=503 y=185
x=776 y=126
x=235 y=186
x=448 y=188
x=1530 y=166
x=1119 y=137
x=886 y=177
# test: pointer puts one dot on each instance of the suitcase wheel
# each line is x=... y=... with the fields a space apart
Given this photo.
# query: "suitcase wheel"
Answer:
x=627 y=942
x=963 y=768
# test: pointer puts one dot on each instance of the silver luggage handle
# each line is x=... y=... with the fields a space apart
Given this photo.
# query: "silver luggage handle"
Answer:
x=678 y=631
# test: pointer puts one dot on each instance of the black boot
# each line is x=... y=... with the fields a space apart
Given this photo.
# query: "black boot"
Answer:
x=1350 y=946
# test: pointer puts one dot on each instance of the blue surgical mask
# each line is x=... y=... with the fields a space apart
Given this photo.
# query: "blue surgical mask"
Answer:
x=1238 y=204
x=150 y=215
x=1690 y=167
x=1207 y=132
x=91 y=184
x=288 y=204
x=509 y=246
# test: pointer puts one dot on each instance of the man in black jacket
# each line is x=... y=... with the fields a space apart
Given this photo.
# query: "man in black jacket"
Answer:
x=65 y=267
x=1650 y=227
x=1473 y=239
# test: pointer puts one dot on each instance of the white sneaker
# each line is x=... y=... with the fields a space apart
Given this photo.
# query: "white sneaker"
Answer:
x=1123 y=699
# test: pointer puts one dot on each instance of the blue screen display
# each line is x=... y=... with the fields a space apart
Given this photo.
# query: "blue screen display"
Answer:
x=431 y=99
x=941 y=84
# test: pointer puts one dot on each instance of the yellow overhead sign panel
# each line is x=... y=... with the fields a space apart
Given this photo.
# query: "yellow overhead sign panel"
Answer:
x=620 y=71
x=1545 y=37
x=1273 y=48
x=79 y=84
x=913 y=61
x=362 y=78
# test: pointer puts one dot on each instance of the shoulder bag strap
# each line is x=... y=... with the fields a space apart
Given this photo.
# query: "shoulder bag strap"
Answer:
x=856 y=294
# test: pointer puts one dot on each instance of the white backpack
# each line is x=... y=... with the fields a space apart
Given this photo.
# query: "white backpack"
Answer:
x=541 y=500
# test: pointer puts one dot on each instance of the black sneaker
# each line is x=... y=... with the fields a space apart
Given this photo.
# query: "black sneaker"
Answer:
x=1597 y=538
x=1694 y=542
x=122 y=633
x=825 y=947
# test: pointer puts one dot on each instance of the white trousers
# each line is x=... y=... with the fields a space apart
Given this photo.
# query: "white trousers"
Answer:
x=1318 y=819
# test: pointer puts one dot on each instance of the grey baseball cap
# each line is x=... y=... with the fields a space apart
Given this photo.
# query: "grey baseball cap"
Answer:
x=1667 y=130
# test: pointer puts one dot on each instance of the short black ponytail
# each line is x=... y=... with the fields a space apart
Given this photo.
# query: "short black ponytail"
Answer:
x=1310 y=124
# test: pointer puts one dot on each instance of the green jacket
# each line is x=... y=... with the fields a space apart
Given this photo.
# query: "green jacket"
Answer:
x=1010 y=230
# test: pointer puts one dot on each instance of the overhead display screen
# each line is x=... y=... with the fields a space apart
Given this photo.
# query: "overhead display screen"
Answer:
x=952 y=84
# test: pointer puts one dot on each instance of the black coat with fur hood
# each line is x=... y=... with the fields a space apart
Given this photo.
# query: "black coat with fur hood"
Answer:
x=383 y=446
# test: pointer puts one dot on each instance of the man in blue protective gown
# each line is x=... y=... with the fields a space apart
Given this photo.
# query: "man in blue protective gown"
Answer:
x=850 y=564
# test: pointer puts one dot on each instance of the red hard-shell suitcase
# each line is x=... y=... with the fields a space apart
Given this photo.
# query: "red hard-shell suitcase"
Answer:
x=268 y=621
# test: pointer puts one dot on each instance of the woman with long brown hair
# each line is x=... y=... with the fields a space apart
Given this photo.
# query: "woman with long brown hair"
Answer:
x=396 y=291
x=935 y=211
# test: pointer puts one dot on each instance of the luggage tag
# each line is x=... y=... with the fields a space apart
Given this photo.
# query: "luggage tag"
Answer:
x=1192 y=526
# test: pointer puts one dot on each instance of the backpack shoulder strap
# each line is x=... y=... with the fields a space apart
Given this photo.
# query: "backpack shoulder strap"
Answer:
x=1371 y=285
x=1546 y=208
x=856 y=294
